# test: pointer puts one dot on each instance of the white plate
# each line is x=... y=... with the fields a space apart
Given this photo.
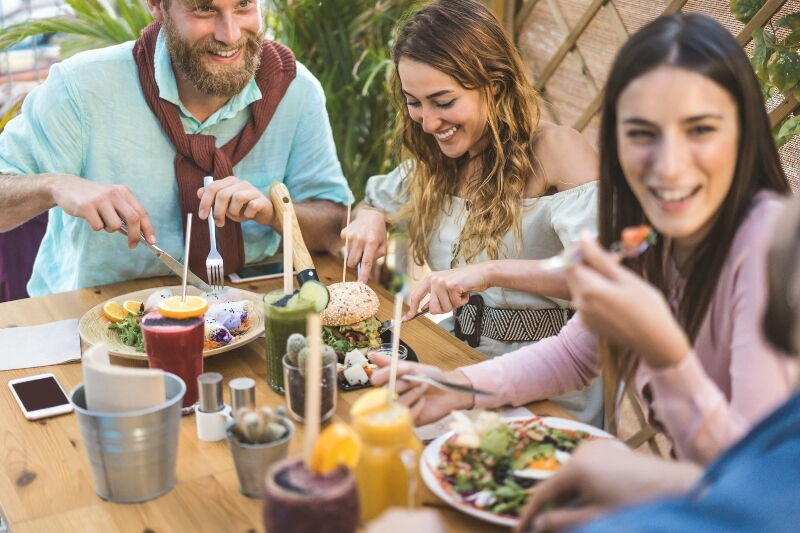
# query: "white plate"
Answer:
x=93 y=325
x=431 y=458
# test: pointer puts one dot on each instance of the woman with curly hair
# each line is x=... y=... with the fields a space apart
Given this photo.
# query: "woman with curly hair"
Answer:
x=486 y=188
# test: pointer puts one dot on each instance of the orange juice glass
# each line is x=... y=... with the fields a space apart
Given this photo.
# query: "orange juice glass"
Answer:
x=387 y=471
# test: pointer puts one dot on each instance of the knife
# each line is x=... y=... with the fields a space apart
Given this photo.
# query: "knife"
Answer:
x=172 y=263
x=445 y=385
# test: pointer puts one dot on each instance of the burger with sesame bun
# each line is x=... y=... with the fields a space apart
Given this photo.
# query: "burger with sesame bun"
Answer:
x=349 y=320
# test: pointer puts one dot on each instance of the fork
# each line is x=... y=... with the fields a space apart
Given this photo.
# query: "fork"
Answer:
x=571 y=255
x=389 y=324
x=214 y=268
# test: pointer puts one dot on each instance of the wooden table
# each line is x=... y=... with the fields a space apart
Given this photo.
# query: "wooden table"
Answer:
x=45 y=478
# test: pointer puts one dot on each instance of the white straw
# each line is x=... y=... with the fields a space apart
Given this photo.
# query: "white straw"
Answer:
x=313 y=383
x=398 y=311
x=186 y=256
x=347 y=237
x=288 y=265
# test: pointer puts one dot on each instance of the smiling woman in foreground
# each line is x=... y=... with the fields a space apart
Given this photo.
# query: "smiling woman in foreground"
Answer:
x=685 y=146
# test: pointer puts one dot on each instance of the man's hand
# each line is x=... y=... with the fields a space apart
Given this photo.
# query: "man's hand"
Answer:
x=236 y=199
x=103 y=206
x=601 y=476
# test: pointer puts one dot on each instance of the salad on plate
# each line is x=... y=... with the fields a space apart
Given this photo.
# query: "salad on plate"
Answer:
x=492 y=464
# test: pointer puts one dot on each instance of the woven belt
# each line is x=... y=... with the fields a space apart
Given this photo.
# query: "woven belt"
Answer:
x=474 y=320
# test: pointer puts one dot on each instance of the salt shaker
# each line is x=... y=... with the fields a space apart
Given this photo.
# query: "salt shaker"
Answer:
x=212 y=415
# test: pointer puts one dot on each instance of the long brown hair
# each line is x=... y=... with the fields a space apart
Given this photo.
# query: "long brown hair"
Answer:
x=700 y=44
x=462 y=39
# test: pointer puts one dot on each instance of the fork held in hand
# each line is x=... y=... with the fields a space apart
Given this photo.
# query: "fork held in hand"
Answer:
x=214 y=267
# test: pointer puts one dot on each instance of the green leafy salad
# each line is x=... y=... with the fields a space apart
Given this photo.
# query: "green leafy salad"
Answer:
x=129 y=331
x=344 y=339
x=493 y=464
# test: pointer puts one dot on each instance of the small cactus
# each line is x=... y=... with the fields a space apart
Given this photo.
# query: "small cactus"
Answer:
x=260 y=426
x=294 y=344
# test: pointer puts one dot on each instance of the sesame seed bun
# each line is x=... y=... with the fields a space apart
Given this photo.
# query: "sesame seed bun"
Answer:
x=350 y=302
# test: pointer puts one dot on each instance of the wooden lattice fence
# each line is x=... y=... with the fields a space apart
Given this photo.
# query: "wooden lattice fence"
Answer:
x=569 y=45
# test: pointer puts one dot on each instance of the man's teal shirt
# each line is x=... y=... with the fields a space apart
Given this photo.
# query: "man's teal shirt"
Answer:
x=90 y=119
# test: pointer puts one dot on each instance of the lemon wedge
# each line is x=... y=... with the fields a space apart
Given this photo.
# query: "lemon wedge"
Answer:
x=132 y=306
x=337 y=445
x=173 y=307
x=113 y=311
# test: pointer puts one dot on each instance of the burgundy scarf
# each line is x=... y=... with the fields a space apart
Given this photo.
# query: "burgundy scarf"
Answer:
x=197 y=155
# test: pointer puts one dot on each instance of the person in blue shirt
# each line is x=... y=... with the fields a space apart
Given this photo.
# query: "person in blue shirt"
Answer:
x=109 y=136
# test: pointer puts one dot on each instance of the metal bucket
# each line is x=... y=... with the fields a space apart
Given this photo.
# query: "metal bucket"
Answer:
x=253 y=460
x=132 y=453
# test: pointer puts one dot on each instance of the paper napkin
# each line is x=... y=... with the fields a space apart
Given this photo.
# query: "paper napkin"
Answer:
x=42 y=345
x=113 y=388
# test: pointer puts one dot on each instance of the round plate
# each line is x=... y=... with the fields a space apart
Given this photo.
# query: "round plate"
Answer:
x=93 y=325
x=431 y=458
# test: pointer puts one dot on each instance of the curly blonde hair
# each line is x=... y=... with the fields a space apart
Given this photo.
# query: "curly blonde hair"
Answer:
x=462 y=39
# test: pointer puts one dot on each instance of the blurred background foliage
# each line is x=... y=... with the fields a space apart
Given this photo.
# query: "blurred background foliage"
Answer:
x=344 y=43
x=775 y=58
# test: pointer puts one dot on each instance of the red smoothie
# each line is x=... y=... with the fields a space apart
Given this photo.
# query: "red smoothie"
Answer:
x=176 y=346
x=300 y=501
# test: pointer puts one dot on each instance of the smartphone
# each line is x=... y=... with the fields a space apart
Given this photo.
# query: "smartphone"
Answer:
x=260 y=271
x=40 y=396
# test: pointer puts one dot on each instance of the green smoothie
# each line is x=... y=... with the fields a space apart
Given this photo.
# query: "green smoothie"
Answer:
x=282 y=317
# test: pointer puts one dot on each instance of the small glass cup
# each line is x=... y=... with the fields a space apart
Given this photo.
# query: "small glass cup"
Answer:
x=386 y=350
x=294 y=379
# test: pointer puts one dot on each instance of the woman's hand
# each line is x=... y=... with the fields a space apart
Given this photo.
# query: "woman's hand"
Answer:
x=602 y=475
x=427 y=404
x=449 y=289
x=366 y=240
x=616 y=303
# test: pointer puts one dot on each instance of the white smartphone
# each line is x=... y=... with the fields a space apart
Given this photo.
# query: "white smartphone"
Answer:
x=255 y=272
x=40 y=396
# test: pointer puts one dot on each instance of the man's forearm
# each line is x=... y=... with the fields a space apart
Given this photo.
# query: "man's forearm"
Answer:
x=22 y=198
x=321 y=222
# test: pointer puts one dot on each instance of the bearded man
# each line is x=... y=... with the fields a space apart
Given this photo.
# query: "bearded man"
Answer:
x=127 y=133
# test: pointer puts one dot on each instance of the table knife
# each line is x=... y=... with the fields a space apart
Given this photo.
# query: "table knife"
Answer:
x=172 y=263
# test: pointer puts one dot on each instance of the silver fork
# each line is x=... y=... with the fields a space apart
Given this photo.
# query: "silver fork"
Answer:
x=572 y=254
x=214 y=267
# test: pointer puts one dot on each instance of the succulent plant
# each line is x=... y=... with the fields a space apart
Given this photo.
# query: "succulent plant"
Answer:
x=260 y=426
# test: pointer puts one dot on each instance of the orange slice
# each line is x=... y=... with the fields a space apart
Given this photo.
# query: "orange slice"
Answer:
x=370 y=402
x=337 y=445
x=174 y=308
x=132 y=306
x=113 y=311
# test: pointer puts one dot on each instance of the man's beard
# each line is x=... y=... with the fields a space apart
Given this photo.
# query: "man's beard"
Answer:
x=219 y=80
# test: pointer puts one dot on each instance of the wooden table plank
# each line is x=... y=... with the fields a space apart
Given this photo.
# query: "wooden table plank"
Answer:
x=45 y=477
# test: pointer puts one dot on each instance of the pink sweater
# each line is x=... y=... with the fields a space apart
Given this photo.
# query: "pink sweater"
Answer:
x=706 y=402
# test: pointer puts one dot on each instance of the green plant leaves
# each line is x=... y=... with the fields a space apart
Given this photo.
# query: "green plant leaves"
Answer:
x=789 y=128
x=784 y=69
x=744 y=10
x=93 y=25
x=764 y=47
x=346 y=45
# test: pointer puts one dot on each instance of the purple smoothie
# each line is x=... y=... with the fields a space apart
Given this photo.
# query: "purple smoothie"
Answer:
x=300 y=501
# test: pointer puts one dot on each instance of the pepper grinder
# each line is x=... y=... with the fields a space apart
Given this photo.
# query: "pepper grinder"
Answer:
x=243 y=394
x=212 y=415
